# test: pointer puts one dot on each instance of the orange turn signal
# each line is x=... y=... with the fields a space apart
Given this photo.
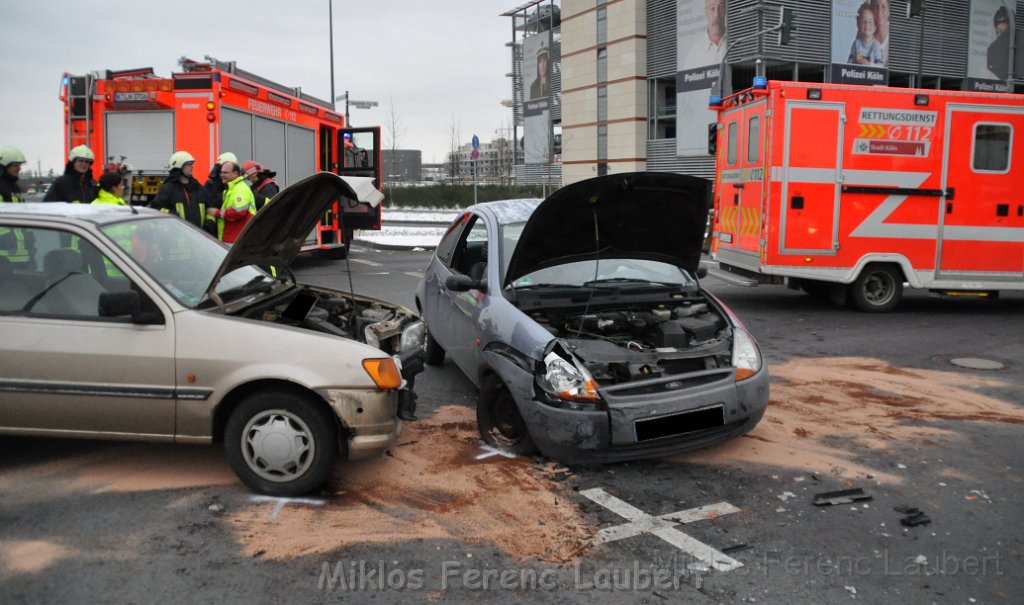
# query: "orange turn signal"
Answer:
x=384 y=372
x=744 y=373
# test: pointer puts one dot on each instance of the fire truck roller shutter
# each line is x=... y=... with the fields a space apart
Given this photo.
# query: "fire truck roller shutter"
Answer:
x=301 y=154
x=268 y=143
x=236 y=133
x=145 y=138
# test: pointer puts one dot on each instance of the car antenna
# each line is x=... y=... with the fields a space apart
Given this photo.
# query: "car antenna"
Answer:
x=597 y=263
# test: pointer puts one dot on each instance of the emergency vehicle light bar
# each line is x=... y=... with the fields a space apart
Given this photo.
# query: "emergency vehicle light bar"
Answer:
x=130 y=73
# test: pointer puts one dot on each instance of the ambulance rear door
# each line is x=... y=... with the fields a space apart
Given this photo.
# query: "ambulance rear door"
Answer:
x=741 y=180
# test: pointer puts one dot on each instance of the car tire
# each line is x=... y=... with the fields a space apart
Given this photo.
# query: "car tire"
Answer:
x=281 y=444
x=434 y=355
x=338 y=253
x=878 y=288
x=499 y=421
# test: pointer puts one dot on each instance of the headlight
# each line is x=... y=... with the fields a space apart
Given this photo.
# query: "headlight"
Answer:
x=745 y=356
x=412 y=337
x=371 y=337
x=565 y=380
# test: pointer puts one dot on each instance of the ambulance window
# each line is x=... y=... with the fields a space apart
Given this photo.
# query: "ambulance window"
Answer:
x=733 y=143
x=753 y=139
x=991 y=147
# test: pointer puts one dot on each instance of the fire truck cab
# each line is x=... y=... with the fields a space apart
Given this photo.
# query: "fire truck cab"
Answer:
x=138 y=118
x=854 y=191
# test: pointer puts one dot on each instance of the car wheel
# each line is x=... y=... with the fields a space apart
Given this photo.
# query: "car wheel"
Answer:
x=877 y=289
x=499 y=421
x=434 y=353
x=281 y=444
x=339 y=252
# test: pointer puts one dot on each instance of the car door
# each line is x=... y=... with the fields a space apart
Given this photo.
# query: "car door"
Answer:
x=436 y=303
x=462 y=321
x=66 y=369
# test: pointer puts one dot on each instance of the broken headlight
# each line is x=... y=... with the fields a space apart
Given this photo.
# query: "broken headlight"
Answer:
x=568 y=382
x=746 y=358
x=413 y=336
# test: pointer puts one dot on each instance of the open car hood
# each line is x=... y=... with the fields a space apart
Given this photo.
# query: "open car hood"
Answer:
x=646 y=215
x=275 y=234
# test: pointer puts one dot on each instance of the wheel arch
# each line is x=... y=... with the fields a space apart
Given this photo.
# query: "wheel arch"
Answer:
x=237 y=395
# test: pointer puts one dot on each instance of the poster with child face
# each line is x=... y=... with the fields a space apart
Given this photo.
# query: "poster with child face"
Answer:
x=860 y=41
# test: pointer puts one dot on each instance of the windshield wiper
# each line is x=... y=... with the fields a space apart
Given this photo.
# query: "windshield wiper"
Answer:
x=260 y=283
x=621 y=280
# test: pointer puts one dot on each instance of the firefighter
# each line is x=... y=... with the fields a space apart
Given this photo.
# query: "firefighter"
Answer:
x=261 y=181
x=214 y=186
x=16 y=245
x=182 y=194
x=111 y=190
x=238 y=205
x=10 y=162
x=76 y=185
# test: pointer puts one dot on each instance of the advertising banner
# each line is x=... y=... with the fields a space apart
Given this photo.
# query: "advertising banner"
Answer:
x=860 y=41
x=988 y=46
x=537 y=99
x=701 y=46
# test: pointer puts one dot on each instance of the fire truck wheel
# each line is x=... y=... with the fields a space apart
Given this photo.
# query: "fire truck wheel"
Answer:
x=338 y=253
x=877 y=289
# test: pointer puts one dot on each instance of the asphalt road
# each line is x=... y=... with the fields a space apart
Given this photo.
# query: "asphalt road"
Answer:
x=859 y=401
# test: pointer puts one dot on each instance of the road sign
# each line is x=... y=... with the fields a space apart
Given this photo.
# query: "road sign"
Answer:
x=474 y=155
x=476 y=143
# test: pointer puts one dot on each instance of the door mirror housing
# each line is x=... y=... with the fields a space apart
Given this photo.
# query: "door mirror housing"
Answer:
x=464 y=283
x=127 y=303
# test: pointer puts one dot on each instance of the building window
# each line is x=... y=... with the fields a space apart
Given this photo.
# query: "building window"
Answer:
x=602 y=26
x=602 y=65
x=991 y=151
x=661 y=109
x=753 y=139
x=602 y=142
x=602 y=103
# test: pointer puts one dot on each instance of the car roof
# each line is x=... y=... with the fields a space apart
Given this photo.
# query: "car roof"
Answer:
x=62 y=212
x=508 y=211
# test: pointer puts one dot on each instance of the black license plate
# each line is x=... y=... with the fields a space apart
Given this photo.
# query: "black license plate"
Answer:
x=679 y=424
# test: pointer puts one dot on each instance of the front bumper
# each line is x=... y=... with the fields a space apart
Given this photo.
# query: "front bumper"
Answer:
x=369 y=418
x=576 y=437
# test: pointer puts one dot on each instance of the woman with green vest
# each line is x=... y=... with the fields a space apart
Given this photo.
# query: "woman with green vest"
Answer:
x=16 y=245
x=111 y=190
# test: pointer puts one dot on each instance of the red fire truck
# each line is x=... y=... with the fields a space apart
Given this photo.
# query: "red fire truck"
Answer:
x=853 y=191
x=211 y=107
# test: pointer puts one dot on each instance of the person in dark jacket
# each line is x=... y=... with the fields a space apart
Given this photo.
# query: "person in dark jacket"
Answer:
x=10 y=167
x=214 y=185
x=181 y=193
x=261 y=181
x=77 y=184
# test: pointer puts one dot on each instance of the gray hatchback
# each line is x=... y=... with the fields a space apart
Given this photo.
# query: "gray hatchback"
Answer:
x=581 y=320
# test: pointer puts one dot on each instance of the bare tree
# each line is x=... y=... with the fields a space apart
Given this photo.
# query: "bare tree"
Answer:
x=454 y=142
x=393 y=139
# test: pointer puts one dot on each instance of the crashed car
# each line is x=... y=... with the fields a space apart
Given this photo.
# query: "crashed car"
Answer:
x=581 y=321
x=124 y=323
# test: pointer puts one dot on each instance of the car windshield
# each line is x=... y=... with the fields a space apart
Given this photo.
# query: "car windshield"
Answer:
x=182 y=259
x=604 y=272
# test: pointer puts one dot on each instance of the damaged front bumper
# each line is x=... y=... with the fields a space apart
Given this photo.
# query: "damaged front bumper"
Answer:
x=646 y=419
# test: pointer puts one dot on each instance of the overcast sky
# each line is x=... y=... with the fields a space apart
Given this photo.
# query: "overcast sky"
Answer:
x=433 y=59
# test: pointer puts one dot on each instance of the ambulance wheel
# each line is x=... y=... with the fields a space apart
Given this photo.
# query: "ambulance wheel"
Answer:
x=877 y=289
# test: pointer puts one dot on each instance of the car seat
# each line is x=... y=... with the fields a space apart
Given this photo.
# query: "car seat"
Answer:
x=13 y=294
x=69 y=290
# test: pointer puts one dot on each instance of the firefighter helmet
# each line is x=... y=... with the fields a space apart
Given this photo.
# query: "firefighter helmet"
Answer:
x=81 y=153
x=251 y=168
x=179 y=159
x=227 y=156
x=10 y=155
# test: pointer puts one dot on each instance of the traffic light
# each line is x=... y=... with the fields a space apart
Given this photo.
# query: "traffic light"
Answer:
x=915 y=8
x=785 y=26
x=712 y=139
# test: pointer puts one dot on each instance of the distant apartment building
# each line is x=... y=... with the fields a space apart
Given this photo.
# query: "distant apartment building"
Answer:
x=494 y=163
x=402 y=165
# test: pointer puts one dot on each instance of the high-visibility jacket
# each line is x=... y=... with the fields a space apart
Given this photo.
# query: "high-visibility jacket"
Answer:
x=187 y=200
x=239 y=205
x=20 y=251
x=105 y=197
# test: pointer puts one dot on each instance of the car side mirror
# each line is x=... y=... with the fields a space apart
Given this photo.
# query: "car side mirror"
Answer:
x=464 y=283
x=126 y=303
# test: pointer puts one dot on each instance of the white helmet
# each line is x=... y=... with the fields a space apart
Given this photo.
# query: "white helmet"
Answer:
x=227 y=156
x=179 y=159
x=81 y=153
x=10 y=155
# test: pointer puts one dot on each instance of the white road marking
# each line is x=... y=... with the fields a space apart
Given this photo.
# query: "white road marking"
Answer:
x=371 y=263
x=413 y=274
x=280 y=502
x=493 y=451
x=663 y=526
